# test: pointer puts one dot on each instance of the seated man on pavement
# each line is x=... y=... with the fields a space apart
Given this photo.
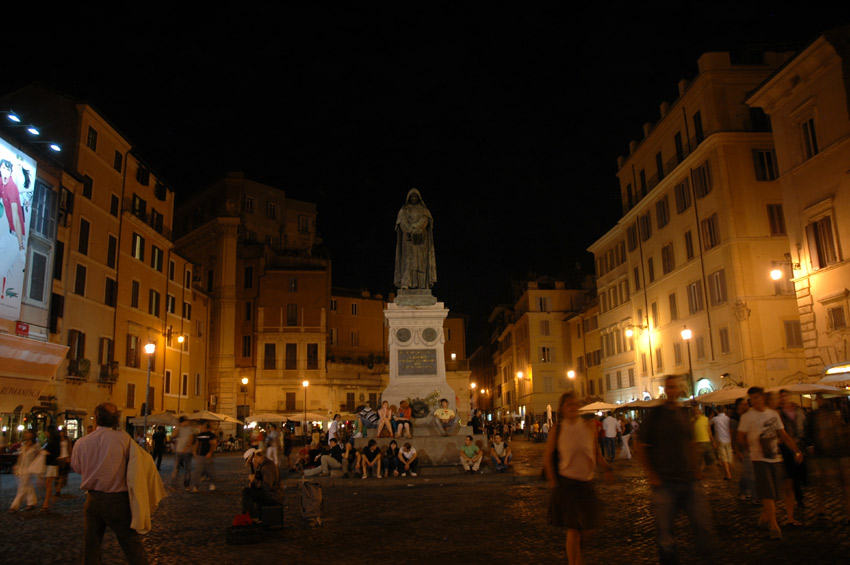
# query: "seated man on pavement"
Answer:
x=500 y=453
x=265 y=488
x=408 y=460
x=470 y=456
x=389 y=461
x=313 y=466
x=352 y=457
x=332 y=459
x=445 y=418
x=368 y=417
x=371 y=459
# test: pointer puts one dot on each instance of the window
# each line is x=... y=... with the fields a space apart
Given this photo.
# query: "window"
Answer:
x=810 y=139
x=683 y=196
x=290 y=401
x=131 y=395
x=248 y=281
x=80 y=281
x=334 y=336
x=607 y=381
x=77 y=347
x=636 y=275
x=821 y=243
x=793 y=334
x=91 y=139
x=631 y=237
x=43 y=218
x=544 y=327
x=303 y=224
x=710 y=232
x=643 y=364
x=110 y=294
x=698 y=133
x=680 y=148
x=776 y=219
x=674 y=307
x=291 y=314
x=650 y=269
x=246 y=346
x=118 y=161
x=153 y=303
x=134 y=350
x=210 y=279
x=83 y=240
x=702 y=180
x=662 y=212
x=291 y=356
x=269 y=352
x=659 y=165
x=764 y=161
x=333 y=305
x=111 y=251
x=624 y=291
x=156 y=220
x=695 y=303
x=653 y=310
x=134 y=294
x=187 y=310
x=293 y=284
x=167 y=382
x=645 y=225
x=138 y=250
x=700 y=343
x=114 y=205
x=355 y=338
x=140 y=207
x=544 y=304
x=197 y=389
x=37 y=276
x=725 y=344
x=659 y=360
x=631 y=378
x=170 y=303
x=156 y=258
x=545 y=354
x=184 y=384
x=88 y=184
x=249 y=204
x=188 y=279
x=642 y=182
x=835 y=318
x=160 y=191
x=143 y=176
x=689 y=245
x=271 y=210
x=717 y=287
x=249 y=311
x=353 y=308
x=677 y=353
x=668 y=258
x=171 y=268
x=312 y=356
x=548 y=383
x=784 y=285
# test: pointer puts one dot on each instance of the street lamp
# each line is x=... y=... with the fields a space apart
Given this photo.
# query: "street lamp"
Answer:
x=150 y=349
x=571 y=374
x=686 y=335
x=306 y=384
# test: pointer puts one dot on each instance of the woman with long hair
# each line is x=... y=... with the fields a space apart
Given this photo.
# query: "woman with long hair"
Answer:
x=572 y=454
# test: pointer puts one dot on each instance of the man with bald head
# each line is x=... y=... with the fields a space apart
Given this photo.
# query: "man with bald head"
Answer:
x=101 y=459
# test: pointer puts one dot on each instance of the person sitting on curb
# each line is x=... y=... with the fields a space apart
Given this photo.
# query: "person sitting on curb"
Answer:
x=352 y=457
x=445 y=418
x=385 y=422
x=368 y=417
x=500 y=453
x=389 y=461
x=265 y=488
x=371 y=459
x=314 y=460
x=470 y=456
x=408 y=460
x=402 y=419
x=329 y=459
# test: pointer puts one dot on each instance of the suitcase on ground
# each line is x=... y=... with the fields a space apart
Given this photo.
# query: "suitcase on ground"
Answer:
x=311 y=504
x=243 y=535
x=271 y=517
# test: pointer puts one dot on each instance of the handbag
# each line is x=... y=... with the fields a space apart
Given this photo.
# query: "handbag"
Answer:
x=39 y=464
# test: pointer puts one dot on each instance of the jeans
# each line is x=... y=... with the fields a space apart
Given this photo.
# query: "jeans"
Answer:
x=186 y=459
x=110 y=509
x=205 y=468
x=501 y=463
x=688 y=496
x=609 y=447
x=446 y=428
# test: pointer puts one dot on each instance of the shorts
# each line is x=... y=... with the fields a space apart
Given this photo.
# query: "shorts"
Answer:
x=769 y=477
x=574 y=505
x=706 y=451
x=724 y=452
x=51 y=471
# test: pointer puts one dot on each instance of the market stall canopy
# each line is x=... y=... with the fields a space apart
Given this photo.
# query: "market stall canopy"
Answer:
x=836 y=374
x=26 y=366
x=161 y=419
x=722 y=396
x=267 y=417
x=810 y=388
x=598 y=406
x=213 y=417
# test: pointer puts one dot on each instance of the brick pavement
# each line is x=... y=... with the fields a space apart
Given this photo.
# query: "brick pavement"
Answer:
x=474 y=519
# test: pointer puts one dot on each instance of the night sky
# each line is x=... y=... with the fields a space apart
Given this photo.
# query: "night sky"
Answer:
x=508 y=118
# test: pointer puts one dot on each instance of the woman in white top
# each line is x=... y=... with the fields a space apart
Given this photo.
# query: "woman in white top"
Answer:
x=28 y=454
x=572 y=454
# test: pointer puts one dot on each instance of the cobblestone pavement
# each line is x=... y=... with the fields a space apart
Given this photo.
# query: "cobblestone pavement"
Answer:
x=493 y=518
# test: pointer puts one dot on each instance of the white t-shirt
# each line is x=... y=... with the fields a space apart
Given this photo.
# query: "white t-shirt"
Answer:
x=762 y=434
x=609 y=424
x=721 y=428
x=408 y=455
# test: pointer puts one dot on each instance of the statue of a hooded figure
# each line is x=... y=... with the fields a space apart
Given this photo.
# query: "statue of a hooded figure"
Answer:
x=415 y=265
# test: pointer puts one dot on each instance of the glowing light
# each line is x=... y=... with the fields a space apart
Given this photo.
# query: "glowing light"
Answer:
x=454 y=356
x=150 y=347
x=686 y=335
x=5 y=429
x=20 y=427
x=32 y=131
x=630 y=332
x=472 y=386
x=776 y=274
x=14 y=118
x=519 y=374
x=244 y=380
x=838 y=369
x=571 y=374
x=306 y=384
x=55 y=147
x=180 y=339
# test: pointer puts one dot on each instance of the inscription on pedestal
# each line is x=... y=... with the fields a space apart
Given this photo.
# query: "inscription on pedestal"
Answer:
x=414 y=362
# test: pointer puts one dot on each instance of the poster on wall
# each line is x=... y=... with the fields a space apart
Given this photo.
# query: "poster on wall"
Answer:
x=17 y=180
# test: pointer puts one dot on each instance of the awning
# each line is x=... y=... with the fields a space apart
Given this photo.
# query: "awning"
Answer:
x=26 y=366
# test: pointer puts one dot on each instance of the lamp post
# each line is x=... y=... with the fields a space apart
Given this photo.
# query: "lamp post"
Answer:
x=306 y=384
x=472 y=398
x=686 y=335
x=150 y=349
x=180 y=339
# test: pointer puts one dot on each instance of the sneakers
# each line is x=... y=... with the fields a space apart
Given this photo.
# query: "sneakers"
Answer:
x=412 y=474
x=364 y=476
x=404 y=474
x=212 y=486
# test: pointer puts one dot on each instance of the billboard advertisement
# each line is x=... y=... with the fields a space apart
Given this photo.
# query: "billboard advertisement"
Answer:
x=17 y=181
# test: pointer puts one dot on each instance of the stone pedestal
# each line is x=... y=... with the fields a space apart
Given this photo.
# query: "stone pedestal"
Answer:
x=416 y=348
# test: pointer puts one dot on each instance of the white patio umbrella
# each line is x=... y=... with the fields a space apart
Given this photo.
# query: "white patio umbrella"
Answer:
x=810 y=388
x=161 y=419
x=722 y=396
x=598 y=406
x=213 y=417
x=267 y=417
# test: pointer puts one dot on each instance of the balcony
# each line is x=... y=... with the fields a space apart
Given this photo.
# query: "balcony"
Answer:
x=155 y=221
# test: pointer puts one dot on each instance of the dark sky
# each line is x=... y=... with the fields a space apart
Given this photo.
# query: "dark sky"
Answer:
x=507 y=117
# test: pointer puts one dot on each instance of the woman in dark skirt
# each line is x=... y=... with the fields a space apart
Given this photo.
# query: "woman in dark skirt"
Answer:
x=572 y=454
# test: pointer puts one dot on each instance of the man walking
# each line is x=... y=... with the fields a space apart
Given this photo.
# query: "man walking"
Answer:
x=206 y=444
x=185 y=446
x=669 y=455
x=610 y=427
x=101 y=459
x=723 y=441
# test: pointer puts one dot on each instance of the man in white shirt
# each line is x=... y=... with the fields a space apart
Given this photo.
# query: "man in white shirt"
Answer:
x=610 y=427
x=333 y=429
x=101 y=459
x=723 y=441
